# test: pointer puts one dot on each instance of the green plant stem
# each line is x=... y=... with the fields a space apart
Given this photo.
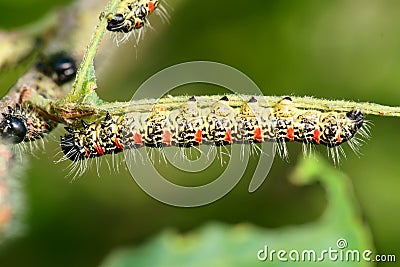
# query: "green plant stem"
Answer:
x=146 y=105
x=83 y=89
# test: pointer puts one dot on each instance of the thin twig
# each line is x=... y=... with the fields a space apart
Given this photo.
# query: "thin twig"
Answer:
x=146 y=105
x=84 y=87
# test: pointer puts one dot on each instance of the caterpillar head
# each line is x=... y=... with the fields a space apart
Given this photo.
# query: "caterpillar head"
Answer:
x=69 y=148
x=356 y=116
x=12 y=128
x=118 y=23
x=64 y=67
x=60 y=67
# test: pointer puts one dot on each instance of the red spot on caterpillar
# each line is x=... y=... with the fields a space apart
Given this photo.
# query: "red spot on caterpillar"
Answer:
x=339 y=139
x=316 y=136
x=151 y=7
x=228 y=136
x=118 y=144
x=98 y=149
x=257 y=135
x=138 y=25
x=167 y=138
x=290 y=133
x=159 y=109
x=137 y=139
x=198 y=136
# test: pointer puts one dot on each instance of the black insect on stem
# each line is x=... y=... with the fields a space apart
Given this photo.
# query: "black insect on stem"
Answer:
x=60 y=67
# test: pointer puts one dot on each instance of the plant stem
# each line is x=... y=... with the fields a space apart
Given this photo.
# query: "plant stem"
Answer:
x=83 y=89
x=173 y=102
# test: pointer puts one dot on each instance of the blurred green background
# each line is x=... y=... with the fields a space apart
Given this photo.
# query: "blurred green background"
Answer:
x=327 y=49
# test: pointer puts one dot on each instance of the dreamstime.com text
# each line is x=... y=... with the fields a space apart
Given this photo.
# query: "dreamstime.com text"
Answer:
x=340 y=253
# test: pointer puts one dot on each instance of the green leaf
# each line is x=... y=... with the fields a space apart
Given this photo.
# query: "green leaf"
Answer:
x=223 y=245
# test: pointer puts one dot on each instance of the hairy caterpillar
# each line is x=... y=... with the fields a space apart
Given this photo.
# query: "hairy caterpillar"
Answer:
x=21 y=122
x=223 y=123
x=131 y=15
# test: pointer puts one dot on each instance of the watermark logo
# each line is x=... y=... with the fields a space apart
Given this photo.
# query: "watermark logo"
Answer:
x=341 y=243
x=149 y=178
x=339 y=253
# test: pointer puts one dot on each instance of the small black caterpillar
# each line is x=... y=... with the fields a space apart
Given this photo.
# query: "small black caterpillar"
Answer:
x=222 y=123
